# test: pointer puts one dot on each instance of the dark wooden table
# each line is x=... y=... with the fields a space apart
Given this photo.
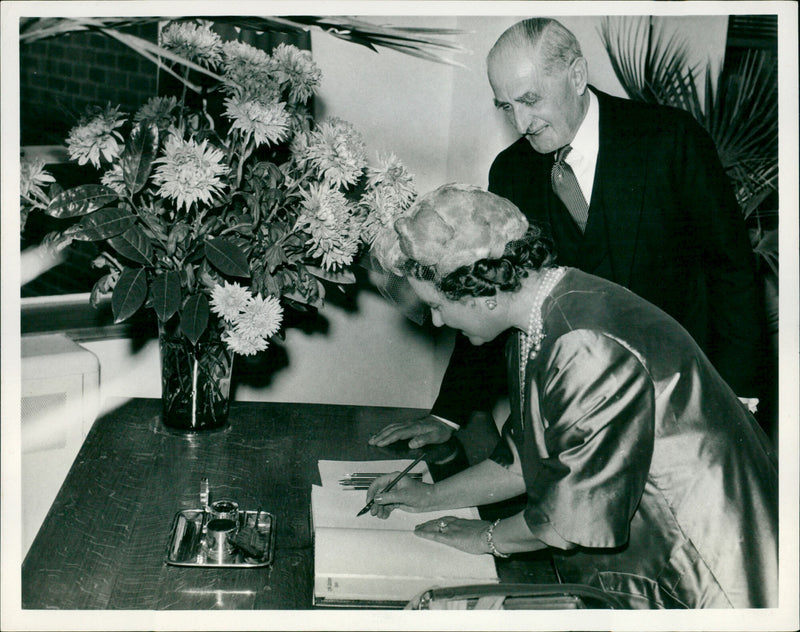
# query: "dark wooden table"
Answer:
x=102 y=544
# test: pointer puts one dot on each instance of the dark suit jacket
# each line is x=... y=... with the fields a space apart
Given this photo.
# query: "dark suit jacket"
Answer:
x=663 y=222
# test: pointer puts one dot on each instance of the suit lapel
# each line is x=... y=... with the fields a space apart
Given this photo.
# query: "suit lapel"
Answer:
x=619 y=186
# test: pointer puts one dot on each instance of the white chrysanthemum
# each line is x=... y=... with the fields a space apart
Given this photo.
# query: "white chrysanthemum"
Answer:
x=243 y=345
x=195 y=42
x=329 y=220
x=95 y=136
x=391 y=174
x=297 y=68
x=157 y=110
x=266 y=123
x=189 y=172
x=337 y=151
x=229 y=300
x=114 y=179
x=32 y=177
x=246 y=71
x=260 y=317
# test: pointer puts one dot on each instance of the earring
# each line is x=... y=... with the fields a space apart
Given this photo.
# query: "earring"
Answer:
x=491 y=303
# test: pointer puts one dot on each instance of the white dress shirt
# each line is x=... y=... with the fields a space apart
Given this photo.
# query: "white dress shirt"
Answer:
x=585 y=146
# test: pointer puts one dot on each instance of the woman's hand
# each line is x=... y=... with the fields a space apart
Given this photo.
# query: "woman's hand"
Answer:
x=408 y=495
x=423 y=431
x=465 y=535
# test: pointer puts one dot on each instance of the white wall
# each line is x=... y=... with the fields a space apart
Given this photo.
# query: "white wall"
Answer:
x=441 y=122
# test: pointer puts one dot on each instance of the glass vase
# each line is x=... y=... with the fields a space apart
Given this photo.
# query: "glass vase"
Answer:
x=195 y=382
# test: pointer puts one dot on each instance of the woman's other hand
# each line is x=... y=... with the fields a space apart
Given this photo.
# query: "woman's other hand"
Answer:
x=408 y=495
x=465 y=535
x=423 y=431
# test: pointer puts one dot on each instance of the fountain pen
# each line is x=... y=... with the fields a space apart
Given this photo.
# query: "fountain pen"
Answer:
x=394 y=482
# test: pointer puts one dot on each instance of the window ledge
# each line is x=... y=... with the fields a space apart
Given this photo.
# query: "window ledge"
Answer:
x=74 y=315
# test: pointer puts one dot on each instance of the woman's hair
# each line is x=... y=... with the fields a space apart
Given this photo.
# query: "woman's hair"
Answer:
x=486 y=277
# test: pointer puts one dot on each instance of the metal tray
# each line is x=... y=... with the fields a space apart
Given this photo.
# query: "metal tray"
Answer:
x=188 y=545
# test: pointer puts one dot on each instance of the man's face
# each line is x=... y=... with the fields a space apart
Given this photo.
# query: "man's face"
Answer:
x=546 y=109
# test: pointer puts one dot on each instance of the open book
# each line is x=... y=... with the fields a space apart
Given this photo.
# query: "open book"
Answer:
x=367 y=561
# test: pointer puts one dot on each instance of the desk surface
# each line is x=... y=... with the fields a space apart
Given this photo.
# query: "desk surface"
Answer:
x=102 y=544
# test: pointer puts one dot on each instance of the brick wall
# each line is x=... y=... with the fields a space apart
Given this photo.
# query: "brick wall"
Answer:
x=61 y=76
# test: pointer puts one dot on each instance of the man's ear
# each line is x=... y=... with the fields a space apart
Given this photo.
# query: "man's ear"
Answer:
x=579 y=75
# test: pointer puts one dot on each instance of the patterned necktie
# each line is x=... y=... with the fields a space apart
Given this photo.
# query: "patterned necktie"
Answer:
x=566 y=187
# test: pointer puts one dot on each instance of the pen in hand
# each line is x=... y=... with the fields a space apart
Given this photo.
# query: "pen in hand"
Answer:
x=394 y=482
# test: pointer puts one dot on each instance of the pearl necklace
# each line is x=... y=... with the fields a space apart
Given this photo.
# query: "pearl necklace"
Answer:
x=531 y=341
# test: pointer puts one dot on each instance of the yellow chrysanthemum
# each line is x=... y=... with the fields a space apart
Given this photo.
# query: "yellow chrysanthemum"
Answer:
x=330 y=221
x=296 y=68
x=244 y=345
x=229 y=300
x=337 y=151
x=266 y=123
x=195 y=42
x=260 y=317
x=96 y=135
x=247 y=72
x=32 y=177
x=189 y=172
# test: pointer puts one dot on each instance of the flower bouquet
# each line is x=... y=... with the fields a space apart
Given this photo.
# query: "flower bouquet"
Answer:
x=216 y=223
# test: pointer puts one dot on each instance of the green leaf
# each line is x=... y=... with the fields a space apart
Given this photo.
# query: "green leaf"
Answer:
x=81 y=200
x=227 y=257
x=165 y=294
x=137 y=158
x=194 y=317
x=274 y=256
x=345 y=277
x=134 y=245
x=103 y=224
x=304 y=300
x=129 y=293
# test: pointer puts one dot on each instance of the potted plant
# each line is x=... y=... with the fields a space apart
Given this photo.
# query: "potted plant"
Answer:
x=216 y=222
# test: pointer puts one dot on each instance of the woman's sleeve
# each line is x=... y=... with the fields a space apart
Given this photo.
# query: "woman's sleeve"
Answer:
x=593 y=418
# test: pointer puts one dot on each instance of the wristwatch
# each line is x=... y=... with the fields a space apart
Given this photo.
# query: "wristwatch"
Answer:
x=489 y=533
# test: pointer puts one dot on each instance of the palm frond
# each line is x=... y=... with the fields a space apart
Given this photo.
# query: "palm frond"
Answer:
x=767 y=246
x=651 y=66
x=425 y=43
x=626 y=45
x=740 y=113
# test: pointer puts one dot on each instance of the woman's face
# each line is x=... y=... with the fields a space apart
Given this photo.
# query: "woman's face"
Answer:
x=469 y=315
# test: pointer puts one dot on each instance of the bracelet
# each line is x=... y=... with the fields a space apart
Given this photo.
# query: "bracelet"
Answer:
x=490 y=540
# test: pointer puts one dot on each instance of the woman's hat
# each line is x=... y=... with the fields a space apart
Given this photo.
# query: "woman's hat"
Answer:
x=452 y=226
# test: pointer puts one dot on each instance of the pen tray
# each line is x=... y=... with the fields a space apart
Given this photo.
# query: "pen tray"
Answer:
x=188 y=544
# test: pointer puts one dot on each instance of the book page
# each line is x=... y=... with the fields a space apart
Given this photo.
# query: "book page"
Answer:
x=398 y=556
x=364 y=558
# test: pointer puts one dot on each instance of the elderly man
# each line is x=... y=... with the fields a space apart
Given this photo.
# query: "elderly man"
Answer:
x=632 y=193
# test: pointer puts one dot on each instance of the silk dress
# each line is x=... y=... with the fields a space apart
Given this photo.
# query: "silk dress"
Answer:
x=636 y=452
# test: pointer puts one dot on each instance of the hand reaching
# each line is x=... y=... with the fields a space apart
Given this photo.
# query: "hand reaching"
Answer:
x=465 y=535
x=423 y=431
